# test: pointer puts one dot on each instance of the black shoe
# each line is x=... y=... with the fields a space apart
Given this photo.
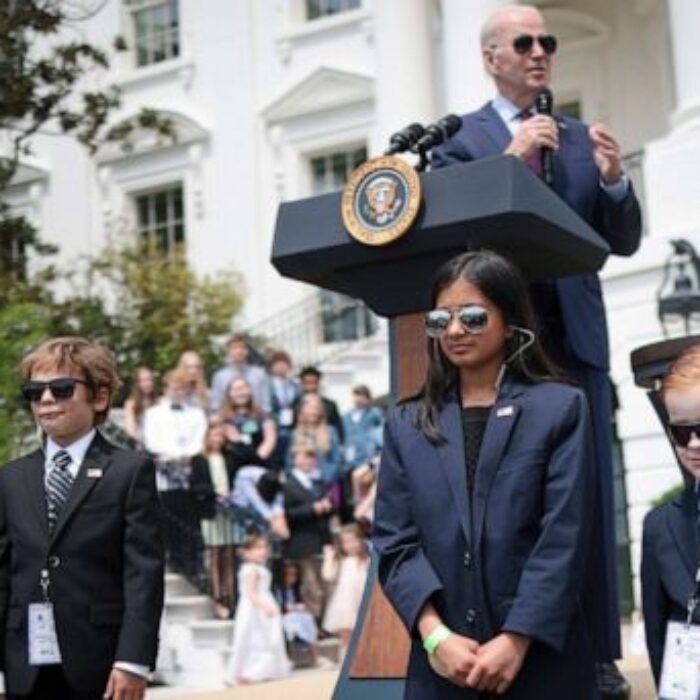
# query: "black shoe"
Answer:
x=611 y=683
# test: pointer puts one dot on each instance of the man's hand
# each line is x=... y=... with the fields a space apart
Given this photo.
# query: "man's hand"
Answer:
x=536 y=132
x=322 y=506
x=606 y=152
x=454 y=658
x=123 y=685
x=498 y=663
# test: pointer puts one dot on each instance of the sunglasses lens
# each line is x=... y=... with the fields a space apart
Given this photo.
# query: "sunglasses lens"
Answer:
x=62 y=388
x=474 y=318
x=436 y=322
x=681 y=434
x=548 y=43
x=32 y=391
x=523 y=43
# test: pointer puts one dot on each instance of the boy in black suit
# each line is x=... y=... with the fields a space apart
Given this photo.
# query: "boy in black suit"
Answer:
x=670 y=554
x=308 y=510
x=79 y=541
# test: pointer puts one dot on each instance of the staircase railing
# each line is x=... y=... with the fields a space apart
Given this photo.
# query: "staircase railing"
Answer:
x=317 y=328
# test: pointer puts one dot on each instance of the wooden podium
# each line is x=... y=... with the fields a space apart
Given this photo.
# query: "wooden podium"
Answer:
x=494 y=203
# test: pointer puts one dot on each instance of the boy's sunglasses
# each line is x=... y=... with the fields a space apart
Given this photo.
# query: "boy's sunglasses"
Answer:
x=523 y=44
x=473 y=319
x=681 y=432
x=61 y=388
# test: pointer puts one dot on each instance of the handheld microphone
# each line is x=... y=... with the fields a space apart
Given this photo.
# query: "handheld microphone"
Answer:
x=543 y=105
x=439 y=132
x=405 y=139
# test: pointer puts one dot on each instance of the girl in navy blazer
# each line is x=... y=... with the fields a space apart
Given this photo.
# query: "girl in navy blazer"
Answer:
x=484 y=500
x=670 y=534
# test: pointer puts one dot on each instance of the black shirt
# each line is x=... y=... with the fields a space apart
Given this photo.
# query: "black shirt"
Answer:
x=474 y=419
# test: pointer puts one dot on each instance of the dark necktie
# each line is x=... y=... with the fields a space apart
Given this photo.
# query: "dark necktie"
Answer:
x=58 y=485
x=534 y=162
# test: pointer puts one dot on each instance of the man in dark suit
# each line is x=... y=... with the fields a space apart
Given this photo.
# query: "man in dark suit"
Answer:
x=79 y=541
x=308 y=510
x=517 y=53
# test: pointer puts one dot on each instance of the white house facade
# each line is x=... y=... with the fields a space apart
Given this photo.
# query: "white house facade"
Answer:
x=279 y=99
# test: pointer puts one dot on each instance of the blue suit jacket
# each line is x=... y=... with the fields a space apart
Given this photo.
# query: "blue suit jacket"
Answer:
x=577 y=181
x=512 y=559
x=669 y=561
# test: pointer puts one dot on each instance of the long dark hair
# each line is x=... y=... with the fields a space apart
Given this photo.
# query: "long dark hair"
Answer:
x=501 y=282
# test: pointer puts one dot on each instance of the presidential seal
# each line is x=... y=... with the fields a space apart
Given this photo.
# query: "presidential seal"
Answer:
x=381 y=200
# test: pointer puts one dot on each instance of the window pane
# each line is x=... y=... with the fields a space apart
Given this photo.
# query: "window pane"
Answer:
x=359 y=157
x=157 y=33
x=161 y=202
x=177 y=204
x=179 y=234
x=142 y=209
x=313 y=9
x=340 y=169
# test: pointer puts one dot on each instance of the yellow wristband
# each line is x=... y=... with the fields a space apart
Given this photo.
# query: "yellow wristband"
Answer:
x=433 y=640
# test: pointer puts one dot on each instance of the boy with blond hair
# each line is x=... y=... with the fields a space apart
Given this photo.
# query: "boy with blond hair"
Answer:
x=81 y=558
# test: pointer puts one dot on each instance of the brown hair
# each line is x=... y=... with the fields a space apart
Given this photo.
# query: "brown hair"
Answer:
x=251 y=540
x=278 y=356
x=140 y=401
x=684 y=372
x=71 y=353
x=229 y=409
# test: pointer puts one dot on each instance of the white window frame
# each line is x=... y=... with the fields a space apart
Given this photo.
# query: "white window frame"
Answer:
x=346 y=6
x=149 y=233
x=327 y=155
x=134 y=7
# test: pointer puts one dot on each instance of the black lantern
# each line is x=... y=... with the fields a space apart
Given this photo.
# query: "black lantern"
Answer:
x=678 y=297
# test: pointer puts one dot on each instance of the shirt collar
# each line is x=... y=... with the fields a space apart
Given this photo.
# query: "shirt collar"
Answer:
x=77 y=450
x=306 y=480
x=505 y=109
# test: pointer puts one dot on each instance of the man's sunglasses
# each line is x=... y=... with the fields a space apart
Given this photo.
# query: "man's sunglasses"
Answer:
x=61 y=388
x=473 y=319
x=682 y=432
x=523 y=44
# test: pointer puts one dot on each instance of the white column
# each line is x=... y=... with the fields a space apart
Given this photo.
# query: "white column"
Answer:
x=672 y=164
x=466 y=84
x=405 y=76
x=684 y=16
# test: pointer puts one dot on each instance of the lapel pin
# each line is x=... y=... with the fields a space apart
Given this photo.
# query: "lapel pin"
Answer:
x=94 y=473
x=505 y=411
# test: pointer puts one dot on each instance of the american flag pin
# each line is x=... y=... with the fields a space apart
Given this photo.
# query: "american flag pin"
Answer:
x=505 y=411
x=94 y=473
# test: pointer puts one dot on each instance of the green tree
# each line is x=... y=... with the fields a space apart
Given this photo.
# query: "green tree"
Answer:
x=149 y=307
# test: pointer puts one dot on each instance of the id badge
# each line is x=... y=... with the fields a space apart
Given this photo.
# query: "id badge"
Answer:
x=680 y=672
x=43 y=642
x=286 y=417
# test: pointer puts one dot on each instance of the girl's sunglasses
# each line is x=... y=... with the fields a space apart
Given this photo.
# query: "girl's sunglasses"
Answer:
x=473 y=319
x=61 y=388
x=681 y=432
x=523 y=44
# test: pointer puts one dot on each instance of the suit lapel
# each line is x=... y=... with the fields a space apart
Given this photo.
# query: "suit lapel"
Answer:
x=453 y=462
x=494 y=127
x=681 y=521
x=96 y=461
x=503 y=418
x=33 y=474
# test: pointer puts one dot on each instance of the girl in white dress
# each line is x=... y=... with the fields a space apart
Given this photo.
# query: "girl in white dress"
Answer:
x=258 y=640
x=349 y=575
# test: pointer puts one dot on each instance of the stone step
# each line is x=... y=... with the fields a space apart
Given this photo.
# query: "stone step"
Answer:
x=330 y=649
x=212 y=633
x=188 y=608
x=358 y=361
x=178 y=585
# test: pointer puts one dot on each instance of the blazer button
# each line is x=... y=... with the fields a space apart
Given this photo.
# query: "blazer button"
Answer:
x=467 y=559
x=471 y=616
x=54 y=561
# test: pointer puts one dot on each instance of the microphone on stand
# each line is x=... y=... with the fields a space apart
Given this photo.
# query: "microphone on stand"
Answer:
x=405 y=139
x=543 y=105
x=439 y=132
